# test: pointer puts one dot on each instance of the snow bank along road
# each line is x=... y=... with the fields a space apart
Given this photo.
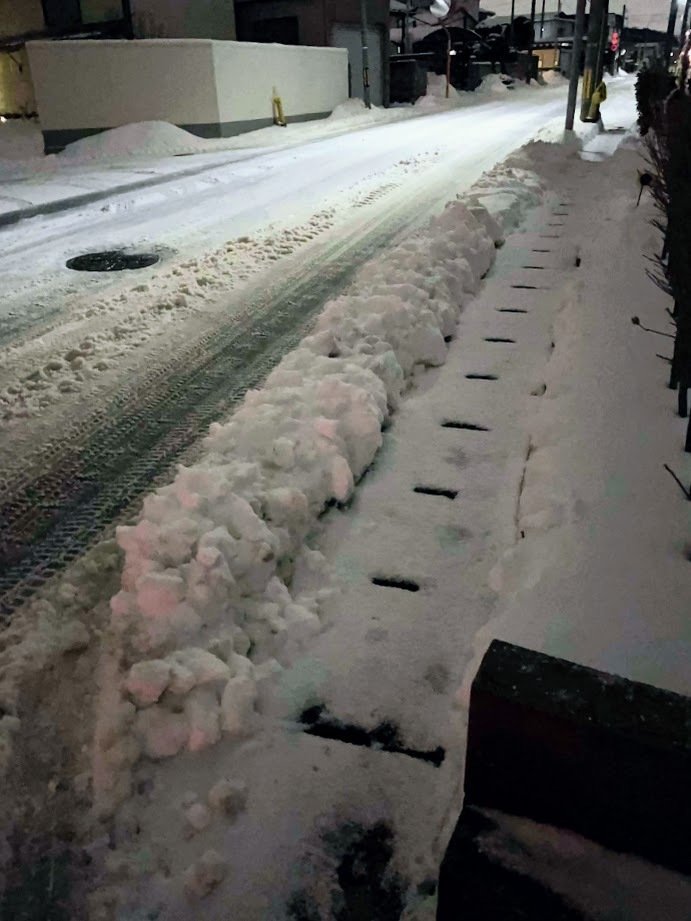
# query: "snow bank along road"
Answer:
x=113 y=380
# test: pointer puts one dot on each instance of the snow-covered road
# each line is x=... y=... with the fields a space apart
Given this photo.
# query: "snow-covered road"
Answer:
x=274 y=206
x=254 y=190
x=96 y=364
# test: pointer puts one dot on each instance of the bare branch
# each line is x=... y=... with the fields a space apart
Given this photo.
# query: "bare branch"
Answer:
x=687 y=492
x=636 y=322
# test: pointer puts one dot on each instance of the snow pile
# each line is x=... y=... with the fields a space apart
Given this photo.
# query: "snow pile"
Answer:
x=553 y=78
x=436 y=97
x=219 y=590
x=495 y=85
x=507 y=191
x=141 y=139
x=354 y=111
x=20 y=139
x=436 y=86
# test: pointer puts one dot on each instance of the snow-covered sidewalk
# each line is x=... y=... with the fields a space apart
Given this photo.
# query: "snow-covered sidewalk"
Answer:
x=601 y=573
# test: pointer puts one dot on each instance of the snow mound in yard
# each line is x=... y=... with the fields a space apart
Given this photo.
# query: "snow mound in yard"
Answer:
x=495 y=85
x=436 y=86
x=141 y=139
x=436 y=94
x=219 y=590
x=355 y=110
x=553 y=78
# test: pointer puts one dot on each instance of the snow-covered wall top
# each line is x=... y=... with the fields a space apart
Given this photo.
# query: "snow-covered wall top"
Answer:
x=210 y=88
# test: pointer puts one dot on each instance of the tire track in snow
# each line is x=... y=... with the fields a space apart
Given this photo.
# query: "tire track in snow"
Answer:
x=95 y=473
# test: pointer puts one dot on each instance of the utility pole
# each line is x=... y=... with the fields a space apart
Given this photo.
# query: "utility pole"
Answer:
x=406 y=36
x=532 y=38
x=622 y=45
x=576 y=49
x=542 y=20
x=448 y=60
x=592 y=55
x=604 y=36
x=671 y=28
x=127 y=17
x=685 y=21
x=365 y=54
x=513 y=16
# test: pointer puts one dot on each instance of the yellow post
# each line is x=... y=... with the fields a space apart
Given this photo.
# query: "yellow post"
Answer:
x=596 y=100
x=277 y=105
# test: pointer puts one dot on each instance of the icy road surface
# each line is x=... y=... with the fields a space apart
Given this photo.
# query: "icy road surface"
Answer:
x=254 y=189
x=107 y=380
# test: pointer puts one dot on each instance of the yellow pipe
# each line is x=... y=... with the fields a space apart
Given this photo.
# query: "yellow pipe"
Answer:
x=277 y=105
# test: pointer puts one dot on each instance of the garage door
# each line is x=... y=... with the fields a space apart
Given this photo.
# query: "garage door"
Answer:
x=343 y=36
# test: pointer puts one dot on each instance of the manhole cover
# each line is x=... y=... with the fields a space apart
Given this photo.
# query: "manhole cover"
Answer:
x=114 y=261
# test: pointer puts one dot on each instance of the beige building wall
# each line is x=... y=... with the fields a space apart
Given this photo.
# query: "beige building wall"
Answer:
x=16 y=90
x=19 y=16
x=183 y=19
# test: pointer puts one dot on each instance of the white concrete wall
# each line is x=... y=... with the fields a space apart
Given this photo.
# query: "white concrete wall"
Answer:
x=184 y=19
x=102 y=84
x=83 y=85
x=308 y=80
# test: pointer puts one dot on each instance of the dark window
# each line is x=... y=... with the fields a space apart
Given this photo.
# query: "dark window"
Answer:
x=61 y=15
x=69 y=16
x=284 y=30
